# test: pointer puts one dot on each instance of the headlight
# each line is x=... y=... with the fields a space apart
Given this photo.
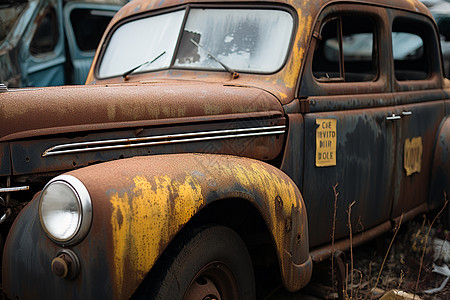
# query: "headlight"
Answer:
x=65 y=210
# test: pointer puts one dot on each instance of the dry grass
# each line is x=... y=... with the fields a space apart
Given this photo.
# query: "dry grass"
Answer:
x=406 y=263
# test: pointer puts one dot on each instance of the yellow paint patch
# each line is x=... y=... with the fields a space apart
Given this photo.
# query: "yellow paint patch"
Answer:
x=326 y=142
x=412 y=159
x=299 y=48
x=272 y=187
x=140 y=221
x=146 y=216
x=282 y=95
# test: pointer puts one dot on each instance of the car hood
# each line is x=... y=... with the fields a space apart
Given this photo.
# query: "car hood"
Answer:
x=26 y=113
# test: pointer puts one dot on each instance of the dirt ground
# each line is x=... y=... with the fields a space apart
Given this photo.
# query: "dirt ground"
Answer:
x=400 y=270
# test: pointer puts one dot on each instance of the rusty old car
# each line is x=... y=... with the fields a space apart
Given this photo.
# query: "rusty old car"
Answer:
x=199 y=159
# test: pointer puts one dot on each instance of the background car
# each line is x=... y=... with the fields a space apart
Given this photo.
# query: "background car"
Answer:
x=50 y=42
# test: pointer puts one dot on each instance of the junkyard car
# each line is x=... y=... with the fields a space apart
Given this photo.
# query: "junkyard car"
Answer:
x=200 y=158
x=50 y=42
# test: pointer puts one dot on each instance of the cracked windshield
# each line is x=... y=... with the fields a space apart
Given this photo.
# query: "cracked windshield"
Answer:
x=246 y=40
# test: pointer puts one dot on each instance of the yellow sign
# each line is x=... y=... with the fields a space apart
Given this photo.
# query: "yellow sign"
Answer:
x=412 y=160
x=326 y=137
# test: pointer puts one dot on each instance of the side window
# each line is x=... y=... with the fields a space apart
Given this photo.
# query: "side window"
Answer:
x=346 y=50
x=411 y=56
x=46 y=36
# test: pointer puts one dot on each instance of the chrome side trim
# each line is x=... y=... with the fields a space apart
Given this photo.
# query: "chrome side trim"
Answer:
x=14 y=189
x=163 y=140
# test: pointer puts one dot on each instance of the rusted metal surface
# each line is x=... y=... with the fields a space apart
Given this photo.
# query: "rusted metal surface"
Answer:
x=141 y=205
x=364 y=172
x=322 y=253
x=280 y=83
x=292 y=163
x=240 y=121
x=411 y=190
x=75 y=109
x=260 y=138
x=385 y=139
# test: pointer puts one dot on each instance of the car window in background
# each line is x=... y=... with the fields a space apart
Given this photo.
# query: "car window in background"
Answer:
x=9 y=13
x=46 y=36
x=88 y=26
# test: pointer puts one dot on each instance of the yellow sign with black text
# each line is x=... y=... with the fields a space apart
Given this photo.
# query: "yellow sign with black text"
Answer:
x=412 y=160
x=326 y=140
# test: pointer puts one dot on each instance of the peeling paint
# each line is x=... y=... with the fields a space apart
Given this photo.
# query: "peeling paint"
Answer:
x=143 y=218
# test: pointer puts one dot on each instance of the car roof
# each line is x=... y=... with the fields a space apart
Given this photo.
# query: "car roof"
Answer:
x=313 y=7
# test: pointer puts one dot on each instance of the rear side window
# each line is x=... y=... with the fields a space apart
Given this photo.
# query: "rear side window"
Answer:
x=346 y=50
x=410 y=51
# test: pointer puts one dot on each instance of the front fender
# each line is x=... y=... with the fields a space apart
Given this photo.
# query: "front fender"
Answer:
x=139 y=205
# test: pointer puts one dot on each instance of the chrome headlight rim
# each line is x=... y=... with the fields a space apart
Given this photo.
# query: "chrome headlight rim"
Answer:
x=85 y=210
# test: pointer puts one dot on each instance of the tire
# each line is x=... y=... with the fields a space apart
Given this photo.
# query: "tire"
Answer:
x=207 y=263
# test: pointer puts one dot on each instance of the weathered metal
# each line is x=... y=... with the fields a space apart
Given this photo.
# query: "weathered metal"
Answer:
x=142 y=204
x=381 y=142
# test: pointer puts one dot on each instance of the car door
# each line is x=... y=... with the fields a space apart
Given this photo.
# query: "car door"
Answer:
x=42 y=53
x=84 y=24
x=420 y=107
x=350 y=138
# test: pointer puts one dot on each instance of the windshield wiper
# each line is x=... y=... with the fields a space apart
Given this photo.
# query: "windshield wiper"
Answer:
x=148 y=62
x=233 y=73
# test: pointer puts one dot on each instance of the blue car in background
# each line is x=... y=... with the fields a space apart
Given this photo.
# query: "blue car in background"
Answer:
x=50 y=42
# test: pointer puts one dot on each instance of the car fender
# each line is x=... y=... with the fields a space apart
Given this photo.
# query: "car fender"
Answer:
x=440 y=174
x=140 y=204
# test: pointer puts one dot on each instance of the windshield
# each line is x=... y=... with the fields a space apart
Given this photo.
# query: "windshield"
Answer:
x=246 y=40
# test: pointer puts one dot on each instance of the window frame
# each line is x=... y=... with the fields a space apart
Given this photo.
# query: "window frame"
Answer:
x=342 y=62
x=431 y=49
x=311 y=86
x=187 y=7
x=52 y=12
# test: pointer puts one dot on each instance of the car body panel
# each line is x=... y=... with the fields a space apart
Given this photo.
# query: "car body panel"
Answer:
x=147 y=200
x=322 y=145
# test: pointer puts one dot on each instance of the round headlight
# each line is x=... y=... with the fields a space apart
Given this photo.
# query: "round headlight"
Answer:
x=65 y=210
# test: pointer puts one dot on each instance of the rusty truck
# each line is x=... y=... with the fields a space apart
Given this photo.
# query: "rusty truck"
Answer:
x=199 y=158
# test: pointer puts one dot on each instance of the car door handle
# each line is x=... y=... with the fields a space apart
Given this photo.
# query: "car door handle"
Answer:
x=406 y=113
x=393 y=117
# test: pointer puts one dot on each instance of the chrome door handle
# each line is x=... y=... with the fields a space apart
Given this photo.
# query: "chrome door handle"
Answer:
x=393 y=117
x=406 y=113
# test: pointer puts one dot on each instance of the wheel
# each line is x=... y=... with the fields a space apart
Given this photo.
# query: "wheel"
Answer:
x=204 y=264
